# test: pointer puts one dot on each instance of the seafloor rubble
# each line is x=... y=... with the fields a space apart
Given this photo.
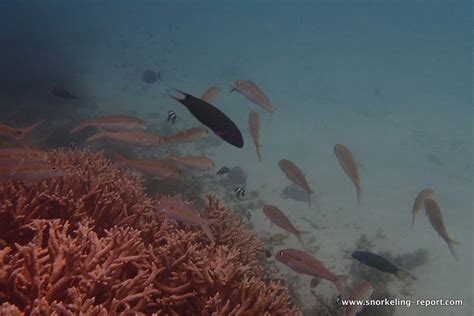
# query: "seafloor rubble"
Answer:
x=91 y=243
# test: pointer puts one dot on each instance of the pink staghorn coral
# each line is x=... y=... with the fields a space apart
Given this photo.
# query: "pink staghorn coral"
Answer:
x=91 y=244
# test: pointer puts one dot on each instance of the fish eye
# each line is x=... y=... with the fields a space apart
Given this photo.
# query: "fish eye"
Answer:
x=280 y=253
x=54 y=168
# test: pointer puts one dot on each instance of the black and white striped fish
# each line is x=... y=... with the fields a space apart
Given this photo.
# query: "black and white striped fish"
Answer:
x=240 y=191
x=171 y=116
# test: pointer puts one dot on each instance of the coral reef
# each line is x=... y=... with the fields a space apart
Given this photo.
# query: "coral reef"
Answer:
x=90 y=243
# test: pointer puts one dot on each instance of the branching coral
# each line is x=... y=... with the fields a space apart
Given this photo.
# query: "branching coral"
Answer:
x=91 y=188
x=95 y=247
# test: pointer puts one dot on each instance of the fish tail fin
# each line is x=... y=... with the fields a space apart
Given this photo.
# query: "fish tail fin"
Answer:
x=412 y=221
x=341 y=286
x=120 y=160
x=269 y=119
x=299 y=234
x=310 y=197
x=81 y=125
x=27 y=130
x=259 y=156
x=359 y=197
x=451 y=244
x=101 y=134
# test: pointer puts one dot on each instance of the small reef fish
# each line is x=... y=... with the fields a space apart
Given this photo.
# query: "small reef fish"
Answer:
x=30 y=172
x=418 y=204
x=164 y=169
x=172 y=116
x=175 y=208
x=210 y=116
x=277 y=238
x=294 y=173
x=137 y=138
x=360 y=292
x=302 y=262
x=254 y=127
x=433 y=212
x=378 y=262
x=62 y=92
x=348 y=164
x=188 y=135
x=222 y=171
x=239 y=191
x=211 y=93
x=114 y=123
x=277 y=217
x=17 y=133
x=253 y=93
x=195 y=162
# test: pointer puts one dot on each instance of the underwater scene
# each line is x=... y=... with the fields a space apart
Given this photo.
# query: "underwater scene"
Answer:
x=236 y=158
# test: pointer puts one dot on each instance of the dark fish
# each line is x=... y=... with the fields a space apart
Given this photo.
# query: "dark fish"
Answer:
x=239 y=191
x=61 y=92
x=378 y=262
x=222 y=171
x=210 y=116
x=171 y=116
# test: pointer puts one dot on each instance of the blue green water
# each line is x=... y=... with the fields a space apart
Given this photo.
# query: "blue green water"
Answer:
x=392 y=80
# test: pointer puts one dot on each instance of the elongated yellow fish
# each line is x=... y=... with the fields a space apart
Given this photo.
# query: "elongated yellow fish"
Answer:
x=254 y=127
x=137 y=138
x=348 y=164
x=418 y=204
x=158 y=167
x=254 y=94
x=436 y=220
x=211 y=93
x=175 y=208
x=188 y=135
x=114 y=123
x=294 y=173
x=30 y=172
x=18 y=133
x=195 y=162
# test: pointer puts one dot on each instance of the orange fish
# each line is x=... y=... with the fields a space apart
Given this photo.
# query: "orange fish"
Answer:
x=277 y=217
x=211 y=93
x=16 y=154
x=424 y=194
x=157 y=167
x=30 y=172
x=360 y=292
x=254 y=126
x=114 y=123
x=293 y=173
x=175 y=208
x=254 y=94
x=137 y=138
x=433 y=212
x=196 y=162
x=303 y=262
x=17 y=133
x=188 y=135
x=348 y=164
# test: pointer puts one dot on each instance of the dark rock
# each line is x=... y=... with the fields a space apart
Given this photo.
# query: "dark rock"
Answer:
x=292 y=191
x=237 y=176
x=149 y=76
